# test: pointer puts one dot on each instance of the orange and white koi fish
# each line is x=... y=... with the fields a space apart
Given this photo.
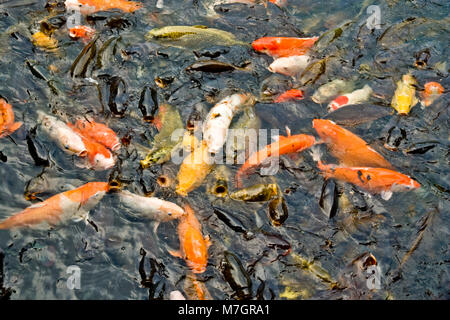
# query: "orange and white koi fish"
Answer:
x=331 y=90
x=278 y=47
x=7 y=124
x=432 y=91
x=193 y=246
x=215 y=128
x=405 y=94
x=91 y=6
x=82 y=32
x=66 y=138
x=293 y=94
x=194 y=169
x=374 y=180
x=350 y=149
x=69 y=205
x=290 y=66
x=355 y=97
x=99 y=157
x=153 y=208
x=284 y=145
x=98 y=132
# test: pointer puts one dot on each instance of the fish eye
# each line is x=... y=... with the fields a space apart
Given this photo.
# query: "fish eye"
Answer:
x=169 y=213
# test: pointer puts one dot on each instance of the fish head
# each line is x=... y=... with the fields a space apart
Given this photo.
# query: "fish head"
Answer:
x=100 y=161
x=433 y=88
x=325 y=128
x=405 y=184
x=172 y=210
x=265 y=45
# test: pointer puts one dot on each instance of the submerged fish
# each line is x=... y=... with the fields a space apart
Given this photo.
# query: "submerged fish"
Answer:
x=153 y=208
x=44 y=41
x=193 y=246
x=432 y=91
x=374 y=180
x=331 y=90
x=194 y=37
x=7 y=123
x=213 y=66
x=60 y=132
x=355 y=97
x=290 y=66
x=83 y=32
x=278 y=47
x=284 y=145
x=350 y=149
x=293 y=94
x=405 y=94
x=353 y=115
x=73 y=204
x=218 y=120
x=256 y=193
x=92 y=6
x=194 y=169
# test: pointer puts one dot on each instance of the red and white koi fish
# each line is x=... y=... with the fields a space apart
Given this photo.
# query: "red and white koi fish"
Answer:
x=350 y=149
x=374 y=180
x=7 y=124
x=193 y=246
x=278 y=47
x=69 y=205
x=81 y=32
x=355 y=97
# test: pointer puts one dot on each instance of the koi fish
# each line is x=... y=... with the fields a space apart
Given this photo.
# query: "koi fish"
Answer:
x=73 y=204
x=350 y=149
x=355 y=97
x=66 y=138
x=215 y=128
x=290 y=66
x=374 y=180
x=284 y=145
x=83 y=32
x=193 y=246
x=99 y=157
x=194 y=169
x=7 y=124
x=405 y=94
x=432 y=91
x=154 y=208
x=293 y=94
x=331 y=90
x=278 y=47
x=98 y=132
x=90 y=6
x=46 y=42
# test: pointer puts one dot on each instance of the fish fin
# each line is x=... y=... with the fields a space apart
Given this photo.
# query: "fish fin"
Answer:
x=288 y=131
x=155 y=227
x=37 y=205
x=386 y=195
x=208 y=241
x=176 y=253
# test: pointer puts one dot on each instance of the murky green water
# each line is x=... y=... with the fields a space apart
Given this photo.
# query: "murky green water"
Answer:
x=110 y=251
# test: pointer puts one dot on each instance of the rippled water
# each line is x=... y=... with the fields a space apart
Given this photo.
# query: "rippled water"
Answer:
x=119 y=255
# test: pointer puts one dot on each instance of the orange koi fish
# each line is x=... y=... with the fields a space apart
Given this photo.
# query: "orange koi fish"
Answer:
x=7 y=124
x=284 y=145
x=284 y=46
x=293 y=94
x=193 y=247
x=432 y=91
x=98 y=132
x=374 y=180
x=83 y=32
x=73 y=204
x=91 y=6
x=99 y=157
x=350 y=149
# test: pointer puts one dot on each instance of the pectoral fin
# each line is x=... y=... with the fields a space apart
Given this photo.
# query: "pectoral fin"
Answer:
x=386 y=195
x=176 y=253
x=155 y=226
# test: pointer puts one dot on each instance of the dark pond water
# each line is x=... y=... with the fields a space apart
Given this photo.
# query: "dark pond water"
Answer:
x=119 y=255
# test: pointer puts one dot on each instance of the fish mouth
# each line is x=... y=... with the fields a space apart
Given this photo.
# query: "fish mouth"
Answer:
x=116 y=147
